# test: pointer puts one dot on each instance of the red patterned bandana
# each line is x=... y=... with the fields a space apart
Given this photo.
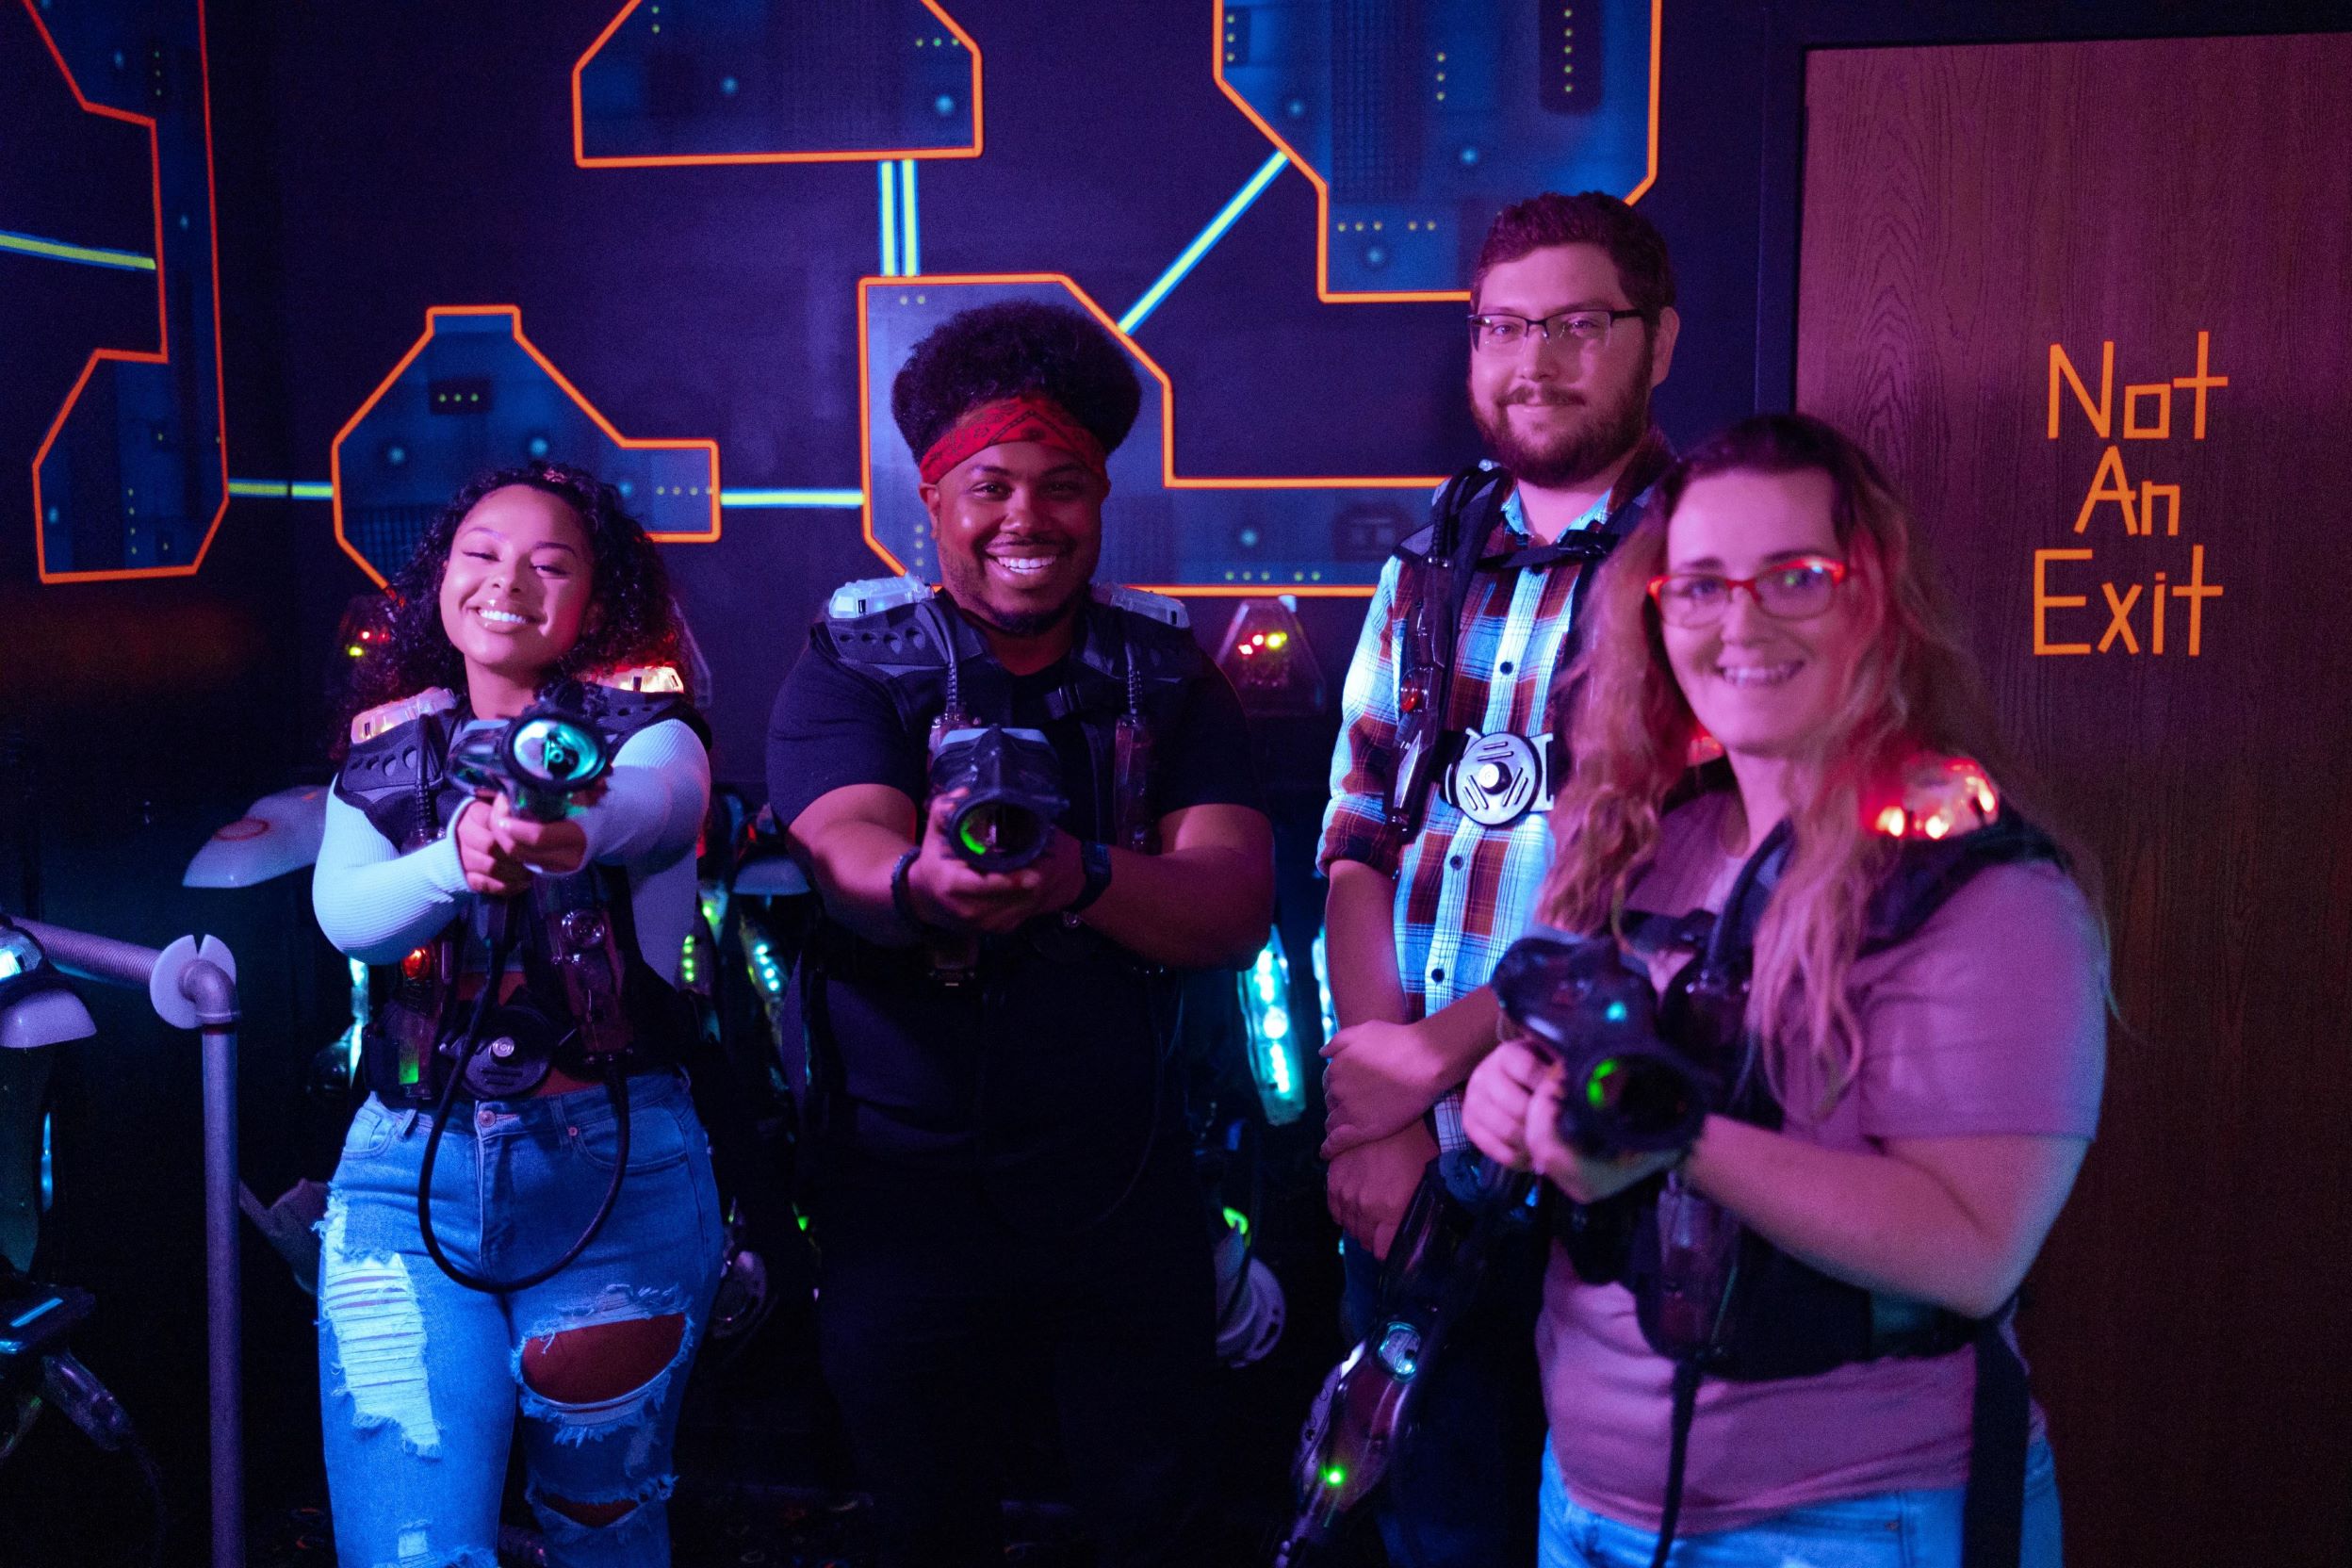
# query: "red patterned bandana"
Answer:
x=1030 y=417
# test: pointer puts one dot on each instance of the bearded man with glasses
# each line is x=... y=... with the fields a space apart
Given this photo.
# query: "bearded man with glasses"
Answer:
x=1435 y=842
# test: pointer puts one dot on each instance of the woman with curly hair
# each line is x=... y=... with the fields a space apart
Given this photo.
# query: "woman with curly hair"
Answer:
x=524 y=1217
x=1785 y=1334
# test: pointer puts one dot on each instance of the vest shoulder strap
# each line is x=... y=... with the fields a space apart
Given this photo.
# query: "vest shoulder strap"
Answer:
x=1440 y=537
x=891 y=634
x=1136 y=601
x=397 y=773
x=386 y=716
x=624 y=711
x=870 y=596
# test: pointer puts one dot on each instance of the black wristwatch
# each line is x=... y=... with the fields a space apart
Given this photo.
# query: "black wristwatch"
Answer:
x=1095 y=860
x=902 y=898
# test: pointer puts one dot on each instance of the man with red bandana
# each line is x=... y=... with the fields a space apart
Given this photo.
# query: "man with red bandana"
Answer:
x=1003 y=1193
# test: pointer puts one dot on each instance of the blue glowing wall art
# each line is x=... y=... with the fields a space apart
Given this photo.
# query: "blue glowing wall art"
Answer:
x=475 y=394
x=776 y=81
x=1418 y=119
x=130 y=477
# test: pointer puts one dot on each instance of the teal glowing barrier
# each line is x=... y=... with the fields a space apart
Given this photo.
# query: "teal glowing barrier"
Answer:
x=1273 y=1037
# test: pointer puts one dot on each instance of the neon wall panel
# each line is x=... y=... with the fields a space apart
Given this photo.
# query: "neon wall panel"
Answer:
x=776 y=81
x=473 y=395
x=130 y=478
x=1419 y=119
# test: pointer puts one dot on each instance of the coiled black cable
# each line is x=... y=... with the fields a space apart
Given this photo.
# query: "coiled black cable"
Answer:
x=616 y=1095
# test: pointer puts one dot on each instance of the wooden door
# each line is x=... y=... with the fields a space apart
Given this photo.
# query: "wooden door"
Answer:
x=2092 y=305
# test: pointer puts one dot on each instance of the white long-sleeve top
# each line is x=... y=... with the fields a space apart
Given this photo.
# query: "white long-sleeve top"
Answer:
x=377 y=903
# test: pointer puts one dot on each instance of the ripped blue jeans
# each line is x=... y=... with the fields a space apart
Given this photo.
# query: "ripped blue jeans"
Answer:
x=421 y=1379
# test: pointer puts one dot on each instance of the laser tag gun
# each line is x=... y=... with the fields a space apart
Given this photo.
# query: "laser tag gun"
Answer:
x=1582 y=1005
x=539 y=759
x=1463 y=1206
x=36 y=1322
x=542 y=761
x=1010 y=781
x=1628 y=1092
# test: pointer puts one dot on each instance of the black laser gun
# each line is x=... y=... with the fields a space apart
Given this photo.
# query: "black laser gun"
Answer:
x=1010 y=782
x=542 y=759
x=1629 y=1091
x=539 y=759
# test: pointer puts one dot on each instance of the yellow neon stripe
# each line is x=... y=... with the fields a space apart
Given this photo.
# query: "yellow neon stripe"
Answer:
x=32 y=245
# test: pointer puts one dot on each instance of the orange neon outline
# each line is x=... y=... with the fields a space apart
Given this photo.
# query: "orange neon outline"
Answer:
x=162 y=354
x=515 y=319
x=1170 y=479
x=1323 y=291
x=680 y=161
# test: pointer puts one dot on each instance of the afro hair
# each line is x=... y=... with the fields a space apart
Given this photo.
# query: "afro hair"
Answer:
x=999 y=351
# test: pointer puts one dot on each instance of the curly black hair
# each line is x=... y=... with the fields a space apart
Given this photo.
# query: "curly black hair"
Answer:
x=977 y=356
x=635 y=622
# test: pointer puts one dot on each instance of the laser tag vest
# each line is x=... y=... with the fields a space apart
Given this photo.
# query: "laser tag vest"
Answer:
x=397 y=773
x=1133 y=662
x=1772 y=1317
x=1041 y=1058
x=1436 y=567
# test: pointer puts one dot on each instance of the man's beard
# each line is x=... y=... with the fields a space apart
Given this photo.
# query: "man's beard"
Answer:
x=1034 y=623
x=973 y=604
x=1608 y=431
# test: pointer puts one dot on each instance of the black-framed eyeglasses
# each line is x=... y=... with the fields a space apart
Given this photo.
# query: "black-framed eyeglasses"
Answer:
x=1795 y=590
x=1582 y=329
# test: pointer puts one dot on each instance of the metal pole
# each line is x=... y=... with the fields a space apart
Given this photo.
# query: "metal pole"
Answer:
x=93 y=957
x=212 y=993
x=215 y=996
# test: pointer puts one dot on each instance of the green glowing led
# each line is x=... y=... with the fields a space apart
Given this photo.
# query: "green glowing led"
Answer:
x=1236 y=1220
x=1596 y=1087
x=1335 y=1475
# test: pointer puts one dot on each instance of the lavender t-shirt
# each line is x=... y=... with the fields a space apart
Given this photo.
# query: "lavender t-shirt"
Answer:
x=1991 y=1020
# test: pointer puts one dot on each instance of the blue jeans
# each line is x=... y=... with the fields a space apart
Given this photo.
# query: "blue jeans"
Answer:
x=421 y=1379
x=1887 y=1529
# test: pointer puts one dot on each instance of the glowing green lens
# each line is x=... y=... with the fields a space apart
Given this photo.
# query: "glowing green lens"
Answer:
x=1596 y=1087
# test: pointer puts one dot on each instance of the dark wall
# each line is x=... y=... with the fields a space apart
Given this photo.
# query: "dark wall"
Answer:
x=2167 y=732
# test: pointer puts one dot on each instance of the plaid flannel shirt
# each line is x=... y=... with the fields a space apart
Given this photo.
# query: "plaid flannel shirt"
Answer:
x=1465 y=894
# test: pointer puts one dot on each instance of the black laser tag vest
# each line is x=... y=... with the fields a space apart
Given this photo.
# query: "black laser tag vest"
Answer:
x=397 y=773
x=1135 y=661
x=1436 y=567
x=932 y=1057
x=1778 y=1317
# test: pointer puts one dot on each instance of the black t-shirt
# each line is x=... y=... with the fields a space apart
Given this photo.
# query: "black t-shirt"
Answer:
x=1044 y=1070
